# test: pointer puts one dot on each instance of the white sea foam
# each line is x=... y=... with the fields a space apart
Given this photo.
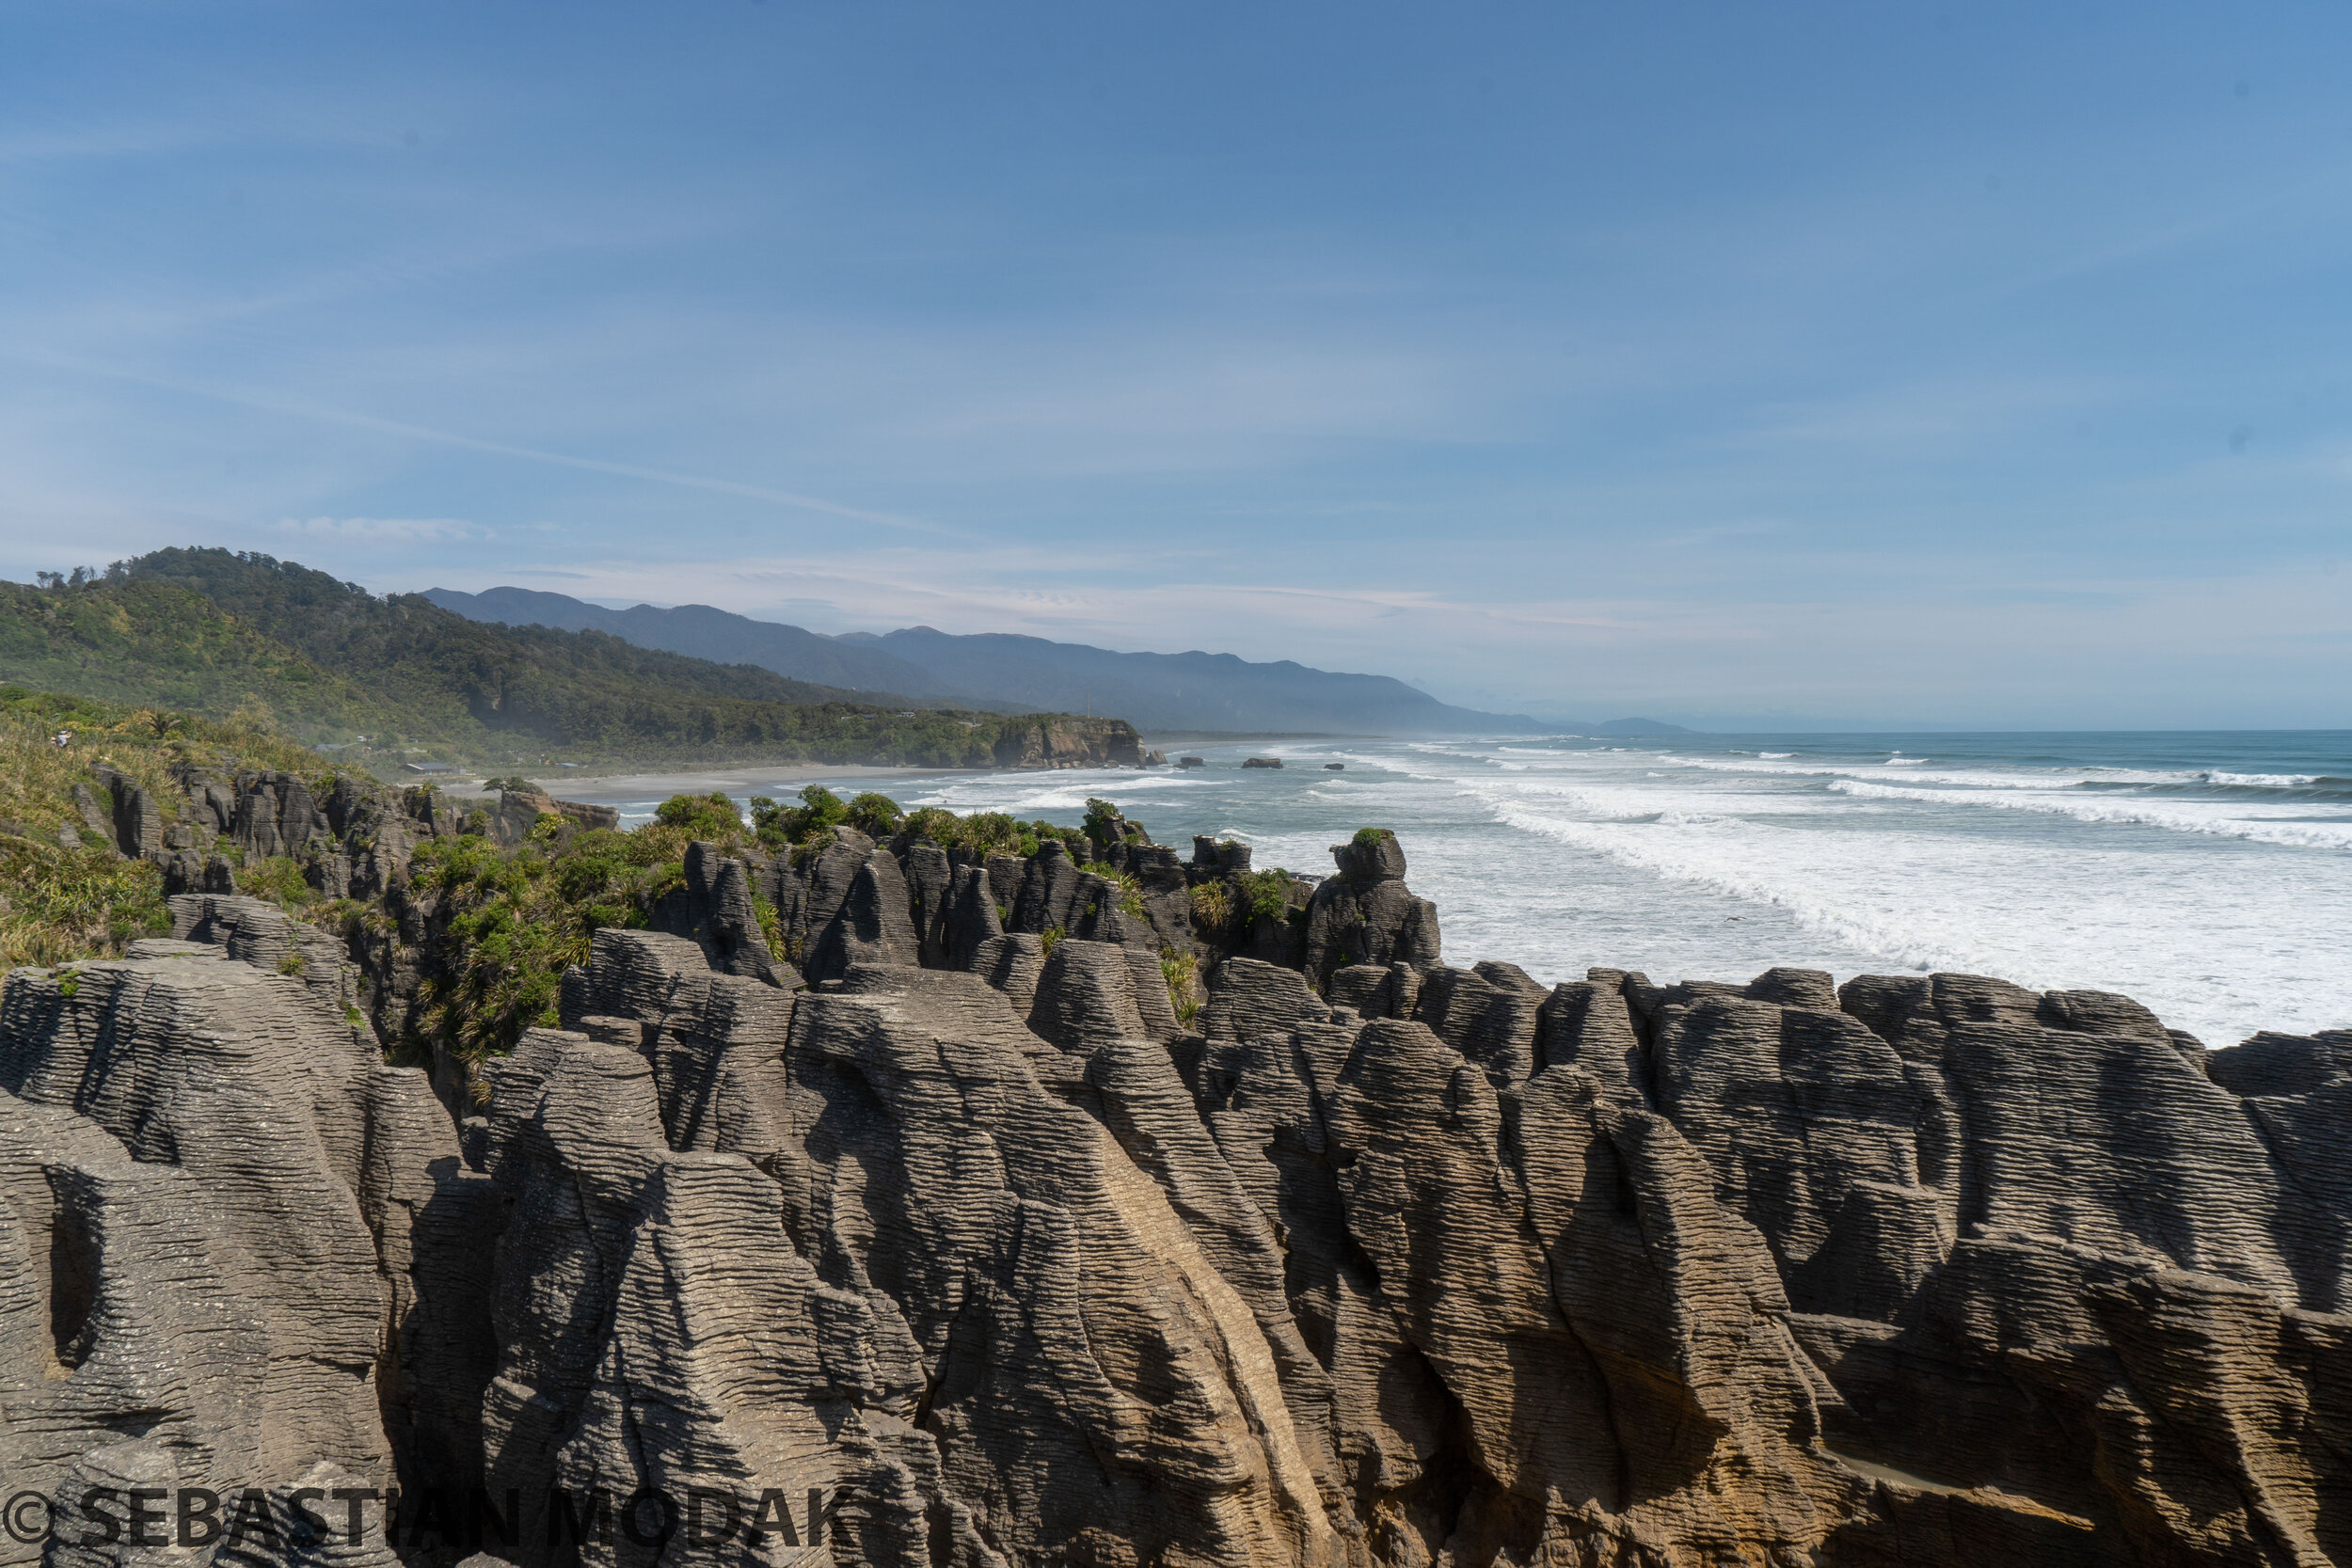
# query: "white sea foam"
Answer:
x=2217 y=959
x=2224 y=821
x=1981 y=777
x=1725 y=865
x=1741 y=765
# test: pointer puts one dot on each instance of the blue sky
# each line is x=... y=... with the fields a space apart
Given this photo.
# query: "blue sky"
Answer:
x=1807 y=364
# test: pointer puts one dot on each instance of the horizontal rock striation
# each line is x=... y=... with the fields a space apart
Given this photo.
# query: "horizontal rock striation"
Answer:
x=233 y=1244
x=966 y=1215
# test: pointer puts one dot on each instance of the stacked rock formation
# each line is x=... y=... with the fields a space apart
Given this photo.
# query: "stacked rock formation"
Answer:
x=966 y=1245
x=236 y=1250
x=351 y=841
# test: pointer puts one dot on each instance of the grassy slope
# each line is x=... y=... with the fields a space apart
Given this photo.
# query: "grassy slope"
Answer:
x=85 y=901
x=206 y=630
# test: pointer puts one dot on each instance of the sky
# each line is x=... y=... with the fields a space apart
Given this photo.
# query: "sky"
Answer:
x=1798 y=366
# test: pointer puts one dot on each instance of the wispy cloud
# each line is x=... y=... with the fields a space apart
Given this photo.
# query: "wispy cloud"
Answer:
x=1608 y=380
x=353 y=419
x=387 y=531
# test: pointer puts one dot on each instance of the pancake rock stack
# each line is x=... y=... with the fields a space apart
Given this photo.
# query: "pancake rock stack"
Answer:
x=957 y=1228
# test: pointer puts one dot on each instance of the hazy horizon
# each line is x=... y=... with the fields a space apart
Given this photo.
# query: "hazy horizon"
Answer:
x=1731 y=725
x=1828 y=368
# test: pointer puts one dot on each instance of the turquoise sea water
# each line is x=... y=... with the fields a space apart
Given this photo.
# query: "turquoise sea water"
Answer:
x=2209 y=875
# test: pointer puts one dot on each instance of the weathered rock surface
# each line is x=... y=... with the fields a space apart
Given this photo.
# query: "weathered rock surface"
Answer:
x=223 y=1220
x=715 y=911
x=1366 y=914
x=1066 y=742
x=976 y=1239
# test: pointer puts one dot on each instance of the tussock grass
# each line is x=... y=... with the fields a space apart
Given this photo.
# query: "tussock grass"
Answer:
x=1181 y=974
x=59 y=903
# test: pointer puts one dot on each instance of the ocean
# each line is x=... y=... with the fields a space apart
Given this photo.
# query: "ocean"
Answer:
x=2207 y=875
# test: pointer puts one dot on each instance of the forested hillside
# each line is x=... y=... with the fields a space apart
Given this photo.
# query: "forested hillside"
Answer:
x=396 y=678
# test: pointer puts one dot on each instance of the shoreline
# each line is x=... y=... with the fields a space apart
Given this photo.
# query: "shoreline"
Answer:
x=1221 y=737
x=603 y=788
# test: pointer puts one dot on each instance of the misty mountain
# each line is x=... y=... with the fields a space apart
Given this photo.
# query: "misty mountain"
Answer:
x=1180 y=691
x=699 y=631
x=1153 y=691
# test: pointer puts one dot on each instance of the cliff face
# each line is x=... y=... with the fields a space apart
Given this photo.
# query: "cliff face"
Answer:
x=1062 y=741
x=947 y=1219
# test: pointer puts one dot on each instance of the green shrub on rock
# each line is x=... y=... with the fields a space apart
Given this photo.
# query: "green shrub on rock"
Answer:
x=711 y=817
x=1130 y=891
x=1264 y=895
x=515 y=920
x=820 y=812
x=1212 y=905
x=1181 y=974
x=877 y=817
x=278 y=878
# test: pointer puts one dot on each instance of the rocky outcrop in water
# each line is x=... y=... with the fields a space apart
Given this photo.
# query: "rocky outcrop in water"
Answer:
x=1366 y=914
x=948 y=1220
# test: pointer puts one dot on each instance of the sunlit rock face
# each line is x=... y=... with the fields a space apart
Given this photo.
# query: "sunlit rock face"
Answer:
x=963 y=1230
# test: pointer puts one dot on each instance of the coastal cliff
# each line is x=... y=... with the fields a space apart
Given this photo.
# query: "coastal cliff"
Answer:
x=1060 y=741
x=1054 y=1198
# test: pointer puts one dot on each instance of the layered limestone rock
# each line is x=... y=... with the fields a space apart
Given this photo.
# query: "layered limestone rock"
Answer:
x=522 y=806
x=266 y=937
x=1096 y=1385
x=715 y=910
x=353 y=843
x=660 y=1333
x=1366 y=914
x=226 y=1229
x=977 y=1249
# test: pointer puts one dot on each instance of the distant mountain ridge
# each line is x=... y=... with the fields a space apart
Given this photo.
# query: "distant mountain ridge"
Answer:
x=1153 y=691
x=393 y=678
x=700 y=631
